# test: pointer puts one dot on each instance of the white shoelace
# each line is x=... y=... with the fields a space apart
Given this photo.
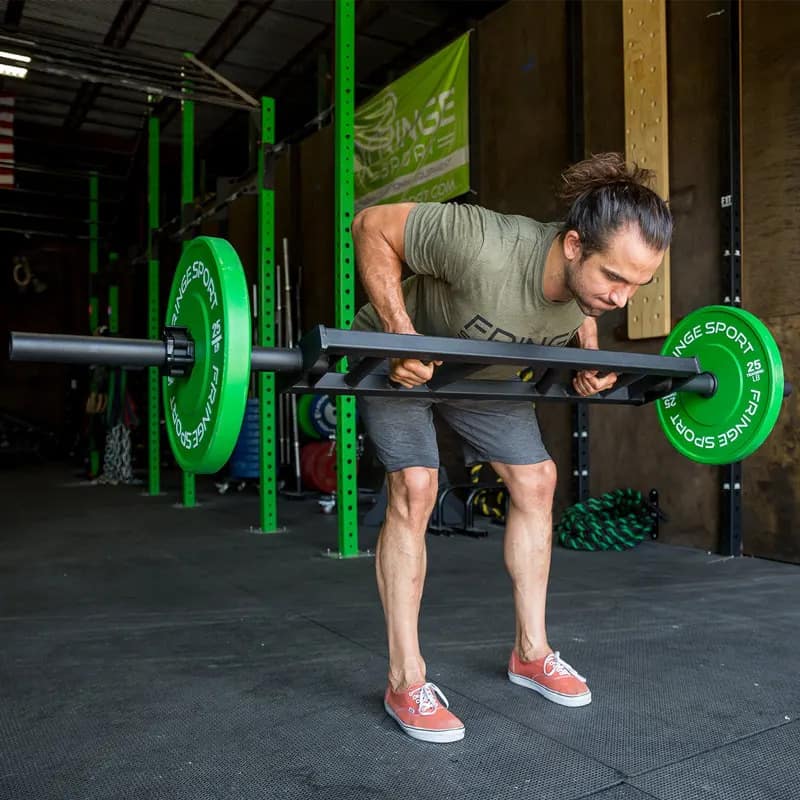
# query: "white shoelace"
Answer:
x=425 y=698
x=555 y=665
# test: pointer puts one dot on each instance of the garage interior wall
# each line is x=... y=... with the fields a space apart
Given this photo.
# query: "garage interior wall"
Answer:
x=628 y=448
x=522 y=142
x=771 y=259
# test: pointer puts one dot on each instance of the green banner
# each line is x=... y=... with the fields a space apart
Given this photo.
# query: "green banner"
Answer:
x=412 y=138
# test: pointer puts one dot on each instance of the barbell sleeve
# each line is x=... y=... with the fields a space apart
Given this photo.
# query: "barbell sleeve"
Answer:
x=705 y=384
x=276 y=359
x=66 y=349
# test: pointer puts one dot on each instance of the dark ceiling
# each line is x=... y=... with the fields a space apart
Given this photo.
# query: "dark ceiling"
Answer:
x=84 y=104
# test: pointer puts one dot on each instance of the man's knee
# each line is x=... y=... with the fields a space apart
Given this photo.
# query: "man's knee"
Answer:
x=412 y=493
x=531 y=486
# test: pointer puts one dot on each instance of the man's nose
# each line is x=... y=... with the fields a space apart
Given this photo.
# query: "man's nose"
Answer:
x=620 y=297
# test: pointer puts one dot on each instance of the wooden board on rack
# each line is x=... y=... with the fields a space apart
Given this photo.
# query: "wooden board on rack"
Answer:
x=644 y=29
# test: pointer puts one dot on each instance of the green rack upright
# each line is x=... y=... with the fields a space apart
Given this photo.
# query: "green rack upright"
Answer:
x=187 y=204
x=266 y=315
x=153 y=322
x=344 y=125
x=94 y=296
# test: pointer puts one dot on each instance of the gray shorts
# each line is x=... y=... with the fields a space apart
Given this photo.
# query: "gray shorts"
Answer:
x=491 y=430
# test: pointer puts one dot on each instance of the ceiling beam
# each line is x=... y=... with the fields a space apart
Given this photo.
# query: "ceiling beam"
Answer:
x=231 y=31
x=305 y=61
x=13 y=15
x=367 y=12
x=239 y=22
x=119 y=33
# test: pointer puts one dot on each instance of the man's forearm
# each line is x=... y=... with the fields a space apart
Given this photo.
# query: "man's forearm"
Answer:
x=587 y=334
x=380 y=270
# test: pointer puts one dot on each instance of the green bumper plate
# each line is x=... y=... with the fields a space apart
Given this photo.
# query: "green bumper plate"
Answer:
x=304 y=403
x=739 y=350
x=204 y=412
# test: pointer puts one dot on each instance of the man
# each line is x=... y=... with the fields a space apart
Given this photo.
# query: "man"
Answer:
x=483 y=275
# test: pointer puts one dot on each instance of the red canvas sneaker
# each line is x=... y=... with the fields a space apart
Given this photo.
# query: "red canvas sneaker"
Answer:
x=419 y=713
x=551 y=677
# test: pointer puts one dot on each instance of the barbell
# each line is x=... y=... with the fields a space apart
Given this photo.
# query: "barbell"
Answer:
x=718 y=382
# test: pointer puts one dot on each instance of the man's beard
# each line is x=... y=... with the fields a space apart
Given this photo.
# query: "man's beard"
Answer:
x=589 y=311
x=573 y=285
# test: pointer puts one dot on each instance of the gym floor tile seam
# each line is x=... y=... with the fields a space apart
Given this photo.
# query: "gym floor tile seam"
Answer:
x=604 y=792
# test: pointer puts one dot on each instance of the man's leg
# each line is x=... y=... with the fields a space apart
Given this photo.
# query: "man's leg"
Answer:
x=527 y=549
x=403 y=433
x=528 y=545
x=400 y=562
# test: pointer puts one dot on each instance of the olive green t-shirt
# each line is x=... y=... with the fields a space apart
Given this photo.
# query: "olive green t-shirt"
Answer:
x=478 y=275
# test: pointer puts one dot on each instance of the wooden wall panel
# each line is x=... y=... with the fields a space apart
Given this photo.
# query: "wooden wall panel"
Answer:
x=771 y=157
x=771 y=489
x=771 y=258
x=315 y=246
x=603 y=75
x=627 y=446
x=644 y=27
x=698 y=127
x=523 y=134
x=242 y=233
x=523 y=141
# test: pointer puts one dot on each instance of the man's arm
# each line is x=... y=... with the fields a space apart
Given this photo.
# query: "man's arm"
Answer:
x=378 y=238
x=587 y=334
x=379 y=241
x=588 y=382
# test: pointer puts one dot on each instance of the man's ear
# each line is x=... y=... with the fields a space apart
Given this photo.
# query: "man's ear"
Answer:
x=572 y=245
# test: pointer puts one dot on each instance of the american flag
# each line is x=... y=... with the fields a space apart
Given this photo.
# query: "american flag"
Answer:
x=6 y=141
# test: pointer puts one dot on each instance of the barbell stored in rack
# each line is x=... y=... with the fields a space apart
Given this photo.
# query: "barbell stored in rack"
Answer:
x=719 y=381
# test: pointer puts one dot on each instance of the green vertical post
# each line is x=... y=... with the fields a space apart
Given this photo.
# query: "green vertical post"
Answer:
x=94 y=252
x=94 y=297
x=153 y=326
x=113 y=323
x=187 y=202
x=266 y=316
x=113 y=295
x=344 y=125
x=113 y=309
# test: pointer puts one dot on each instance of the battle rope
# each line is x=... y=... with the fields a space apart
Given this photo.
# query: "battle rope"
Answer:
x=616 y=520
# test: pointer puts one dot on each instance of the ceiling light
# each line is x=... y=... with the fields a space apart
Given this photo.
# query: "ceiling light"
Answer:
x=15 y=57
x=12 y=71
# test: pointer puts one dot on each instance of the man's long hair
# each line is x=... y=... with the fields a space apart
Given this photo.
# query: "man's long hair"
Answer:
x=605 y=195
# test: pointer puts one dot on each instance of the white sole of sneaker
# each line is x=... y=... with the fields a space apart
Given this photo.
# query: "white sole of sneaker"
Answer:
x=572 y=700
x=439 y=737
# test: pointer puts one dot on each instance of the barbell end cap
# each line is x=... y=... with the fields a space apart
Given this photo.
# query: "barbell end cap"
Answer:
x=179 y=352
